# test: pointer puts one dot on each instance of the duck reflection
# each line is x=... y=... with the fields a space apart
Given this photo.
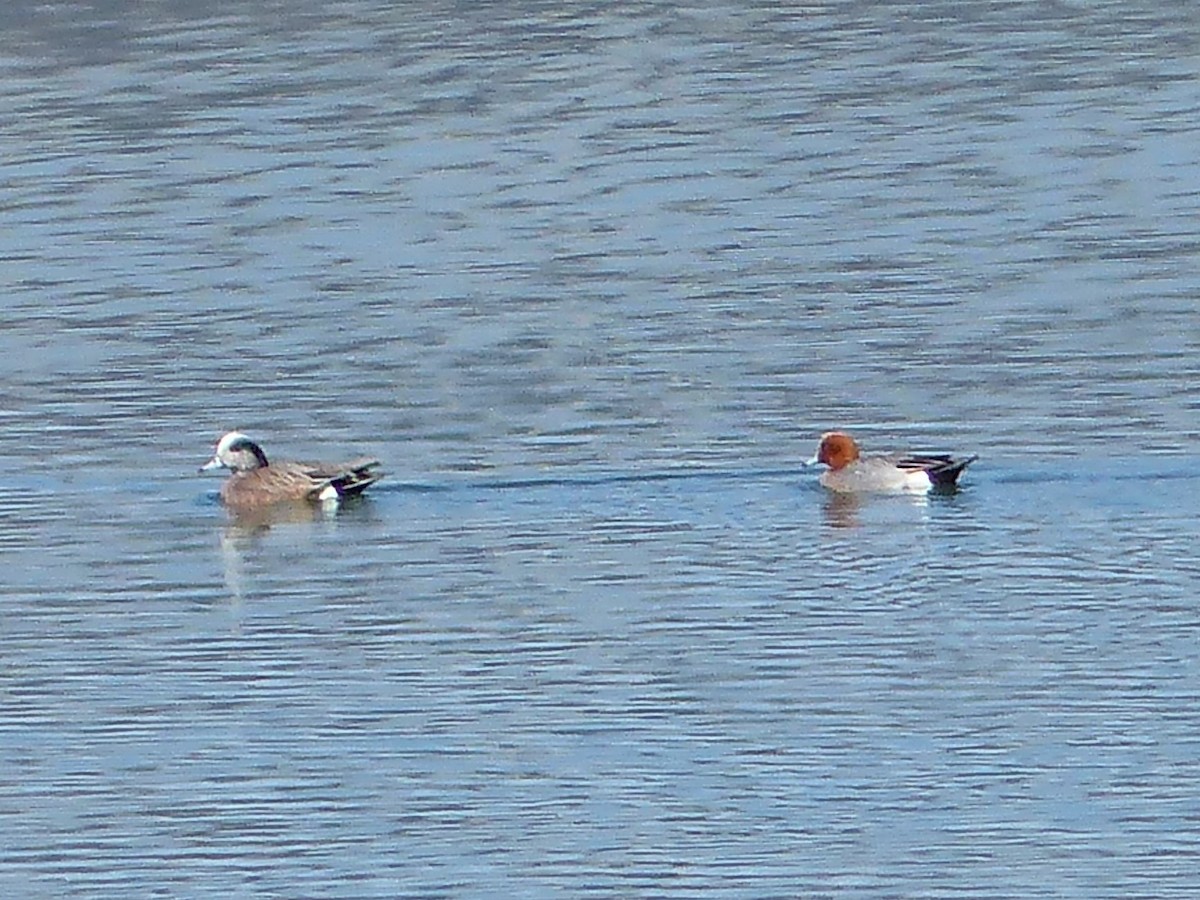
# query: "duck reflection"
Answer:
x=245 y=530
x=842 y=510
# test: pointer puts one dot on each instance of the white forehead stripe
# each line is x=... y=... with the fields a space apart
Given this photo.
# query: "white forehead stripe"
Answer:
x=229 y=440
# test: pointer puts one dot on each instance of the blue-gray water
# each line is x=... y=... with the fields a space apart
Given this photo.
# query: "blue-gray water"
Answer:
x=591 y=281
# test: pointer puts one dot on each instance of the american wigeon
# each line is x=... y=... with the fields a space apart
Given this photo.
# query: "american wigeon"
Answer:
x=850 y=472
x=257 y=483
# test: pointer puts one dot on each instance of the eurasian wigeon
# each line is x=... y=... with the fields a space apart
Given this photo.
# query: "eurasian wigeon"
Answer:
x=850 y=473
x=256 y=483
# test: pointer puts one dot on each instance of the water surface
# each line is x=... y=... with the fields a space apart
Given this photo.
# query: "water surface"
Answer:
x=591 y=282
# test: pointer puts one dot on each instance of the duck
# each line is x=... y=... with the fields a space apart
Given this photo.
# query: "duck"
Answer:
x=850 y=472
x=256 y=483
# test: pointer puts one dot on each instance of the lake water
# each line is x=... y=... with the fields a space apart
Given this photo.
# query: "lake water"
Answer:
x=591 y=281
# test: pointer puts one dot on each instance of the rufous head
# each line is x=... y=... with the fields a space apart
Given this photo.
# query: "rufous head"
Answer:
x=837 y=450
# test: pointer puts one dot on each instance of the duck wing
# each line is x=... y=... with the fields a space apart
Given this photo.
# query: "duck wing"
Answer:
x=347 y=478
x=943 y=470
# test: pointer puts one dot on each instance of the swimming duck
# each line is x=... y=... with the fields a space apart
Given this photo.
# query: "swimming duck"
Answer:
x=257 y=483
x=851 y=472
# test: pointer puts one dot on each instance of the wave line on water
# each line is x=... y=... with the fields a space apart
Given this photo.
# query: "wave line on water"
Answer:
x=588 y=480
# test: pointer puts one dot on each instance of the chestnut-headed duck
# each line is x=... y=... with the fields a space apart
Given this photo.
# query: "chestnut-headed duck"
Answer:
x=256 y=483
x=849 y=472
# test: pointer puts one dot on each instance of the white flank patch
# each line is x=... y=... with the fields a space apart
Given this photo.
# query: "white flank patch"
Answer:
x=330 y=493
x=918 y=481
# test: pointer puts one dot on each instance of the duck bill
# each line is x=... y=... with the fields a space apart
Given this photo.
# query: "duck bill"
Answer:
x=809 y=463
x=213 y=463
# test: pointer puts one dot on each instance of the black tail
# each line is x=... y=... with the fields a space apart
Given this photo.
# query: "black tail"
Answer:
x=358 y=479
x=945 y=475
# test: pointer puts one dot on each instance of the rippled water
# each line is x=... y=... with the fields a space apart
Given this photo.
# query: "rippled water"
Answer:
x=591 y=281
